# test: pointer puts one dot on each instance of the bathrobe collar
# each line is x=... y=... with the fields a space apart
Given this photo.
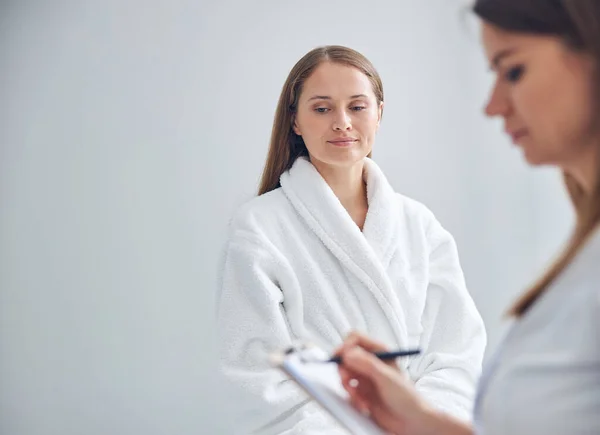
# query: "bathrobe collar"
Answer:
x=368 y=253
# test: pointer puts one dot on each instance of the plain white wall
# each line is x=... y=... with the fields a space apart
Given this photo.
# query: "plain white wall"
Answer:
x=130 y=131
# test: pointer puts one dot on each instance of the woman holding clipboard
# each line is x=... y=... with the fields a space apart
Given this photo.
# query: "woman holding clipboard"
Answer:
x=545 y=378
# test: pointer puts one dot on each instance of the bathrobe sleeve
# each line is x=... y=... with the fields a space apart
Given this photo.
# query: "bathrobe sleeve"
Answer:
x=252 y=322
x=453 y=338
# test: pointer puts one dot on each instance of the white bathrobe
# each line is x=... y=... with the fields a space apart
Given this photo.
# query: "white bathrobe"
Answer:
x=297 y=267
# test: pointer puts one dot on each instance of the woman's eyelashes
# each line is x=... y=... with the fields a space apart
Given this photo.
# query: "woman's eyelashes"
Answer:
x=353 y=108
x=514 y=73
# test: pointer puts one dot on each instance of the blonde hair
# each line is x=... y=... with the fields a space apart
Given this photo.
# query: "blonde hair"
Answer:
x=285 y=145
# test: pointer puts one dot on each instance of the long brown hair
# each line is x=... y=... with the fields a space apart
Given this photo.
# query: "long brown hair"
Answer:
x=577 y=22
x=286 y=146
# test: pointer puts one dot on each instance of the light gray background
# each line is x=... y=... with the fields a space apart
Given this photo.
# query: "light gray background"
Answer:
x=130 y=131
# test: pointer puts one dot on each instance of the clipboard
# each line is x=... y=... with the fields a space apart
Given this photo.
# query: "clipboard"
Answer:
x=322 y=383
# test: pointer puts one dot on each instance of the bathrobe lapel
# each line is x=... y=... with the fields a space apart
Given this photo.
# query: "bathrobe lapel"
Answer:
x=365 y=254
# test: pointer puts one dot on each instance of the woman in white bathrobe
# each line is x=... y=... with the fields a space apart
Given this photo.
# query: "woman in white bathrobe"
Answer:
x=545 y=377
x=328 y=247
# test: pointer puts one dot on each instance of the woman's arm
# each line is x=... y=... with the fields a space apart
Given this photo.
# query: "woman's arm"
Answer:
x=388 y=395
x=453 y=337
x=252 y=322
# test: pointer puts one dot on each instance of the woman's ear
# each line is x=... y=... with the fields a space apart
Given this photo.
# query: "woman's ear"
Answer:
x=379 y=113
x=295 y=128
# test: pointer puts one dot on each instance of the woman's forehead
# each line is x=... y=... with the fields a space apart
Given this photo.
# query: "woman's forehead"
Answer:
x=337 y=81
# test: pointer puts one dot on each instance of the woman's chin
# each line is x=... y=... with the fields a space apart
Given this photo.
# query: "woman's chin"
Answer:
x=534 y=159
x=340 y=159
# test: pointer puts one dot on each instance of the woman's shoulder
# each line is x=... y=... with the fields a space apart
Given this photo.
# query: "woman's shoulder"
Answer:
x=585 y=264
x=259 y=211
x=420 y=222
x=415 y=211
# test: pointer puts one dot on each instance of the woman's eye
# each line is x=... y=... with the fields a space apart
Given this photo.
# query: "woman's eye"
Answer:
x=515 y=73
x=358 y=108
x=321 y=109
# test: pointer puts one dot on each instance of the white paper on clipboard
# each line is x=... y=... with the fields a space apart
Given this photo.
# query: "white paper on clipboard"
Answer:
x=322 y=382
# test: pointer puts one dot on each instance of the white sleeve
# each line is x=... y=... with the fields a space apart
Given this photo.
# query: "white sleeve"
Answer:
x=252 y=322
x=453 y=338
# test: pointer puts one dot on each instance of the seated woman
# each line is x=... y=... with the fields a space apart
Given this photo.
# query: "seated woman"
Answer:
x=328 y=247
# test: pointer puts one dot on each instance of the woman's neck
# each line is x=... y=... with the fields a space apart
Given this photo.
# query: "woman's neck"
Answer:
x=585 y=169
x=348 y=185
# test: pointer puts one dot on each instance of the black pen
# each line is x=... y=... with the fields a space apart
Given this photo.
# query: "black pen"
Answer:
x=384 y=356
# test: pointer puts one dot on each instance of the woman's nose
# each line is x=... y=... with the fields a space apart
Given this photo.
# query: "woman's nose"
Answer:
x=498 y=104
x=342 y=121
